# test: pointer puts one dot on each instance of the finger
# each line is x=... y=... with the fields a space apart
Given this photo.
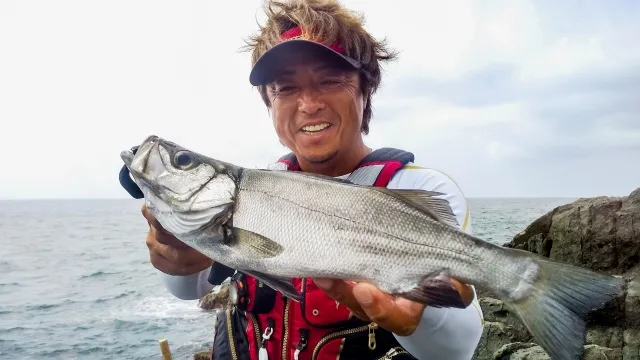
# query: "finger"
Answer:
x=177 y=269
x=466 y=291
x=165 y=238
x=342 y=292
x=159 y=233
x=399 y=315
x=151 y=220
x=183 y=255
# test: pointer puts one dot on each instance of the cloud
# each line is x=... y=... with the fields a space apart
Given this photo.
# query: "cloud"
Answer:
x=532 y=90
x=528 y=98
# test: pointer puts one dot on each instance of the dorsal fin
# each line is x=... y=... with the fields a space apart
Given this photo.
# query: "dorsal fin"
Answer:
x=429 y=202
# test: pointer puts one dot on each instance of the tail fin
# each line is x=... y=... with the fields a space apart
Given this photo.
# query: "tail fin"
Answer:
x=555 y=310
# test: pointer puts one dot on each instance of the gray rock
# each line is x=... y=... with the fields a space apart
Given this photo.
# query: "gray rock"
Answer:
x=601 y=233
x=595 y=352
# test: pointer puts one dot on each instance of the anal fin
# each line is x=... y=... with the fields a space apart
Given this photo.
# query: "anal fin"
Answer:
x=280 y=284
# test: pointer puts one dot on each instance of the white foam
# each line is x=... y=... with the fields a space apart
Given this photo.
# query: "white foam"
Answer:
x=160 y=307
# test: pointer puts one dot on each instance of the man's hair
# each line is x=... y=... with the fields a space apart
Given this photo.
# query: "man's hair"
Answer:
x=327 y=21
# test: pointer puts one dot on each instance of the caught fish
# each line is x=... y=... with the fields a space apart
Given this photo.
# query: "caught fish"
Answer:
x=278 y=225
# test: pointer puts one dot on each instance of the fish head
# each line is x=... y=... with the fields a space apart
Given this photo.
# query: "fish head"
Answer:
x=185 y=191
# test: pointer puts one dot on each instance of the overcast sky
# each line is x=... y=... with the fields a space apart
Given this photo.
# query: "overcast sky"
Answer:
x=510 y=98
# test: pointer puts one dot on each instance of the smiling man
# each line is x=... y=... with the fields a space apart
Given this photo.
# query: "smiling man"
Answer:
x=316 y=69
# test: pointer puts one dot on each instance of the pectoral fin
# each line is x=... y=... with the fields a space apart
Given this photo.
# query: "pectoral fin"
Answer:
x=253 y=245
x=280 y=284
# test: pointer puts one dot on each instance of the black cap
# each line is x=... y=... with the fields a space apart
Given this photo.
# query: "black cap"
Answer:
x=292 y=39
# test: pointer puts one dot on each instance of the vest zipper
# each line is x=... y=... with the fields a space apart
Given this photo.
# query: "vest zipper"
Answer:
x=261 y=339
x=370 y=327
x=393 y=352
x=285 y=337
x=302 y=343
x=257 y=333
x=232 y=344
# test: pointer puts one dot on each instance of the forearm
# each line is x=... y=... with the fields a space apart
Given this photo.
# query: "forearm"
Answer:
x=189 y=287
x=451 y=334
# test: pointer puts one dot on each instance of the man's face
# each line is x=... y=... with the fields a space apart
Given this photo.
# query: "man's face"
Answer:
x=316 y=108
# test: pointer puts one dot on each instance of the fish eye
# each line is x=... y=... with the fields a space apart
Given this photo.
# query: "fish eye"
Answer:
x=183 y=159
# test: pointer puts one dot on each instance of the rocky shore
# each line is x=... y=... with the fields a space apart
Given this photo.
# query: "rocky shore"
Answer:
x=600 y=233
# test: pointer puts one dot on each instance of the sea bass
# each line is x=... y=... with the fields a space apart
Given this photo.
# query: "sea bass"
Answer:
x=278 y=225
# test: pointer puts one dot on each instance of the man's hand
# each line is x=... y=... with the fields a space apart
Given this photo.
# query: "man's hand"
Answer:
x=170 y=255
x=398 y=315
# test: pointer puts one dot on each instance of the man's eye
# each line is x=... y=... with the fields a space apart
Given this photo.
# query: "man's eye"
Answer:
x=285 y=88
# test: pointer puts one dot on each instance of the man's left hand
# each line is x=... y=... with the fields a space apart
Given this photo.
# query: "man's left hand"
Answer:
x=398 y=315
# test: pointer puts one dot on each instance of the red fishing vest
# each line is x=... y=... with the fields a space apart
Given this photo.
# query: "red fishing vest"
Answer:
x=265 y=325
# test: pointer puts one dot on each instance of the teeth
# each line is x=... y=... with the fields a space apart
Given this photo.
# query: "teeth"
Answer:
x=316 y=128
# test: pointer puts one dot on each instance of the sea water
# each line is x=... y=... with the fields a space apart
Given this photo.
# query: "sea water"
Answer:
x=76 y=281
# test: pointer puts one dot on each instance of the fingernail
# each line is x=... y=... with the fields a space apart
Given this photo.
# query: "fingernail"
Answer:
x=324 y=284
x=363 y=295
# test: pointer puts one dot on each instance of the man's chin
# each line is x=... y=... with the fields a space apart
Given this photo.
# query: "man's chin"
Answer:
x=319 y=159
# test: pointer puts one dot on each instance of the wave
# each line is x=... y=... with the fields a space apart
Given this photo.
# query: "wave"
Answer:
x=111 y=298
x=49 y=306
x=98 y=274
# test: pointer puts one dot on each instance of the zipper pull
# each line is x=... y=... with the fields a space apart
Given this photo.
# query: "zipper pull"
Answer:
x=266 y=335
x=302 y=343
x=372 y=336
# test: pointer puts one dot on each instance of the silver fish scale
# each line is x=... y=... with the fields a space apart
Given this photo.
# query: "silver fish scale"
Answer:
x=332 y=230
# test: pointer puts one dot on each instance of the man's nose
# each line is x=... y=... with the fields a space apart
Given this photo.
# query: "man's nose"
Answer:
x=310 y=101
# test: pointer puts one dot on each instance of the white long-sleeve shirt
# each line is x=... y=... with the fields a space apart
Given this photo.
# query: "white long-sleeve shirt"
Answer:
x=451 y=334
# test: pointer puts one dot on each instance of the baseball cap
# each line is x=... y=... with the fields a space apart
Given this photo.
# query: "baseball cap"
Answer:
x=291 y=39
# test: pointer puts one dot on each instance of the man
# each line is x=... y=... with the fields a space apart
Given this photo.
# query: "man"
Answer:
x=316 y=69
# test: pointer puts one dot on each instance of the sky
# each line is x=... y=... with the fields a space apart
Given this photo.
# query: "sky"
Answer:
x=509 y=98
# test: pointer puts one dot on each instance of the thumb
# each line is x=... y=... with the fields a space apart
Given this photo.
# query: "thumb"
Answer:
x=374 y=302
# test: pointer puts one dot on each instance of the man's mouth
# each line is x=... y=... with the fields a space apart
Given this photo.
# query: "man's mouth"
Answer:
x=315 y=128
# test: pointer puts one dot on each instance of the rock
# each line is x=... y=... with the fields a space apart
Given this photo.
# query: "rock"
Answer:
x=595 y=352
x=521 y=351
x=217 y=299
x=611 y=337
x=495 y=311
x=631 y=353
x=602 y=234
x=203 y=355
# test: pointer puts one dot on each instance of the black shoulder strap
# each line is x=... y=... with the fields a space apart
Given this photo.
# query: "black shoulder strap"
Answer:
x=388 y=154
x=379 y=167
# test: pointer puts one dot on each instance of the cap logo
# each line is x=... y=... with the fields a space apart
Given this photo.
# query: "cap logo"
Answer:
x=296 y=33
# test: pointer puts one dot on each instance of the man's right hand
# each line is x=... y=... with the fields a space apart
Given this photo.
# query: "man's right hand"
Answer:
x=170 y=255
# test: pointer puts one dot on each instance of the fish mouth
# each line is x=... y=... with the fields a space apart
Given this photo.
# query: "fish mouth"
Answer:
x=128 y=155
x=134 y=158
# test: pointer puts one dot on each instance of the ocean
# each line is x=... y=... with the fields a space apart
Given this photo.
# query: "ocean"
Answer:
x=76 y=281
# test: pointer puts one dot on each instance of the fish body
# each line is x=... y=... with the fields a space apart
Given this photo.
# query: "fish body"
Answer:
x=278 y=225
